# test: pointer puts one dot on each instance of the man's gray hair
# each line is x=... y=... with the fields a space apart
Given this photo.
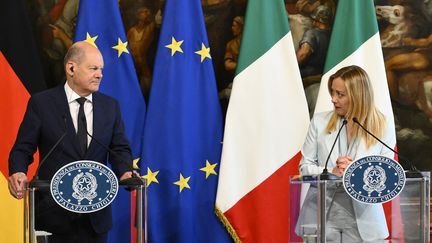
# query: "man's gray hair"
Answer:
x=75 y=53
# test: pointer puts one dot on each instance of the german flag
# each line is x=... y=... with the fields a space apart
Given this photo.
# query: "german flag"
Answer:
x=20 y=76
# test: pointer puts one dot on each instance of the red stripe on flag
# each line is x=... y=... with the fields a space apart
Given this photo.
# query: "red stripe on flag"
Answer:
x=13 y=102
x=133 y=215
x=393 y=215
x=262 y=215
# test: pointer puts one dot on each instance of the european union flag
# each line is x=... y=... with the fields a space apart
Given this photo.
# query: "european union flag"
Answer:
x=183 y=132
x=99 y=22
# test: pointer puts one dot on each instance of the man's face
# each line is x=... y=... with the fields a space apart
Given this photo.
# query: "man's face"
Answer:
x=87 y=74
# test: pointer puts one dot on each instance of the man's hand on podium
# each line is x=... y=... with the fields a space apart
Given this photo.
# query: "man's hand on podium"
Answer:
x=128 y=175
x=17 y=184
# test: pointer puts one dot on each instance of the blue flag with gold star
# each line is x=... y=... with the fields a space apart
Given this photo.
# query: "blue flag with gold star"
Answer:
x=183 y=132
x=99 y=22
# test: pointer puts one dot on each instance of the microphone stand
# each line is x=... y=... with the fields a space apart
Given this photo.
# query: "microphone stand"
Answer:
x=323 y=179
x=34 y=185
x=134 y=181
x=325 y=175
x=36 y=182
x=413 y=172
x=140 y=185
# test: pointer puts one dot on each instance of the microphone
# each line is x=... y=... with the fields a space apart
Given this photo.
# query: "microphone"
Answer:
x=130 y=182
x=325 y=175
x=35 y=182
x=135 y=182
x=413 y=172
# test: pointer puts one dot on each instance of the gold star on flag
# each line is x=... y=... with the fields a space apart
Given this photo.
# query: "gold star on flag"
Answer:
x=91 y=40
x=135 y=163
x=175 y=46
x=209 y=169
x=121 y=47
x=151 y=177
x=182 y=182
x=204 y=52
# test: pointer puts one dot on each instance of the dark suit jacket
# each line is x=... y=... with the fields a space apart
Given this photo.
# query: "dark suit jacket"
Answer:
x=47 y=117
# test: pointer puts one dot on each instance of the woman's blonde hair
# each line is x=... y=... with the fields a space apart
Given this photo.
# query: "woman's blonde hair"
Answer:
x=361 y=104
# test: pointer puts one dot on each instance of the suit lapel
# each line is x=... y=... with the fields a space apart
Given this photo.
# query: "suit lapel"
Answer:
x=98 y=121
x=362 y=151
x=329 y=139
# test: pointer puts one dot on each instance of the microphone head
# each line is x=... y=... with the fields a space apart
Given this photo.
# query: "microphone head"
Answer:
x=355 y=119
x=345 y=122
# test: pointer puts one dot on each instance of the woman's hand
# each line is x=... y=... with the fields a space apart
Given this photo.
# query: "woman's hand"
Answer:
x=341 y=164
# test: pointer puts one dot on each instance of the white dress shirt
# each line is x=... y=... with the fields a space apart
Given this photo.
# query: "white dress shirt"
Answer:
x=74 y=108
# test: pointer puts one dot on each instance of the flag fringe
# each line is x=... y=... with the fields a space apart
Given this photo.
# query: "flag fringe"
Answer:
x=227 y=225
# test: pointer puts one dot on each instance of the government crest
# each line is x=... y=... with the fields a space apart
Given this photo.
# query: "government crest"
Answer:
x=84 y=186
x=374 y=179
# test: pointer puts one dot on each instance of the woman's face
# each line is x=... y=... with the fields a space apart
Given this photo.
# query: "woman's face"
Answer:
x=339 y=97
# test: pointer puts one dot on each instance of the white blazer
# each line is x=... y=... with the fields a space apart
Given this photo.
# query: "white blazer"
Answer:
x=370 y=219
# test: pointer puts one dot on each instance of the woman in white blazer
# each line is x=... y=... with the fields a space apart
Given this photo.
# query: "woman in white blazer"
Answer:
x=352 y=96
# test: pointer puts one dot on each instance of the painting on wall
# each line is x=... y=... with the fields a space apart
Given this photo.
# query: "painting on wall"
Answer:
x=406 y=39
x=406 y=36
x=53 y=26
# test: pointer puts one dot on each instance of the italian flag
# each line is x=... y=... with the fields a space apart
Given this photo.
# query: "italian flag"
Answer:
x=266 y=124
x=355 y=40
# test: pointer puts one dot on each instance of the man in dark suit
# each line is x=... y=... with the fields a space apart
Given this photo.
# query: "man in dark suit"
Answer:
x=48 y=116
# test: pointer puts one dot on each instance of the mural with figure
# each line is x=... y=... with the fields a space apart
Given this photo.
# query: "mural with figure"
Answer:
x=406 y=39
x=405 y=29
x=54 y=27
x=311 y=22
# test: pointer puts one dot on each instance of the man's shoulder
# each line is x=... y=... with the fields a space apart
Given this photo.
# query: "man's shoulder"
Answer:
x=47 y=93
x=101 y=95
x=322 y=116
x=104 y=98
x=320 y=120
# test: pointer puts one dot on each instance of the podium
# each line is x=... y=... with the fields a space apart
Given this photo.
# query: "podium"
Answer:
x=310 y=217
x=134 y=184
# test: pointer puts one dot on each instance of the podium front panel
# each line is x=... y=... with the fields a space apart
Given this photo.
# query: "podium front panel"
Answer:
x=137 y=185
x=319 y=208
x=411 y=211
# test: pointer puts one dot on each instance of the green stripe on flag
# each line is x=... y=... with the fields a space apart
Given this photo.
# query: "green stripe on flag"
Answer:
x=257 y=36
x=354 y=24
